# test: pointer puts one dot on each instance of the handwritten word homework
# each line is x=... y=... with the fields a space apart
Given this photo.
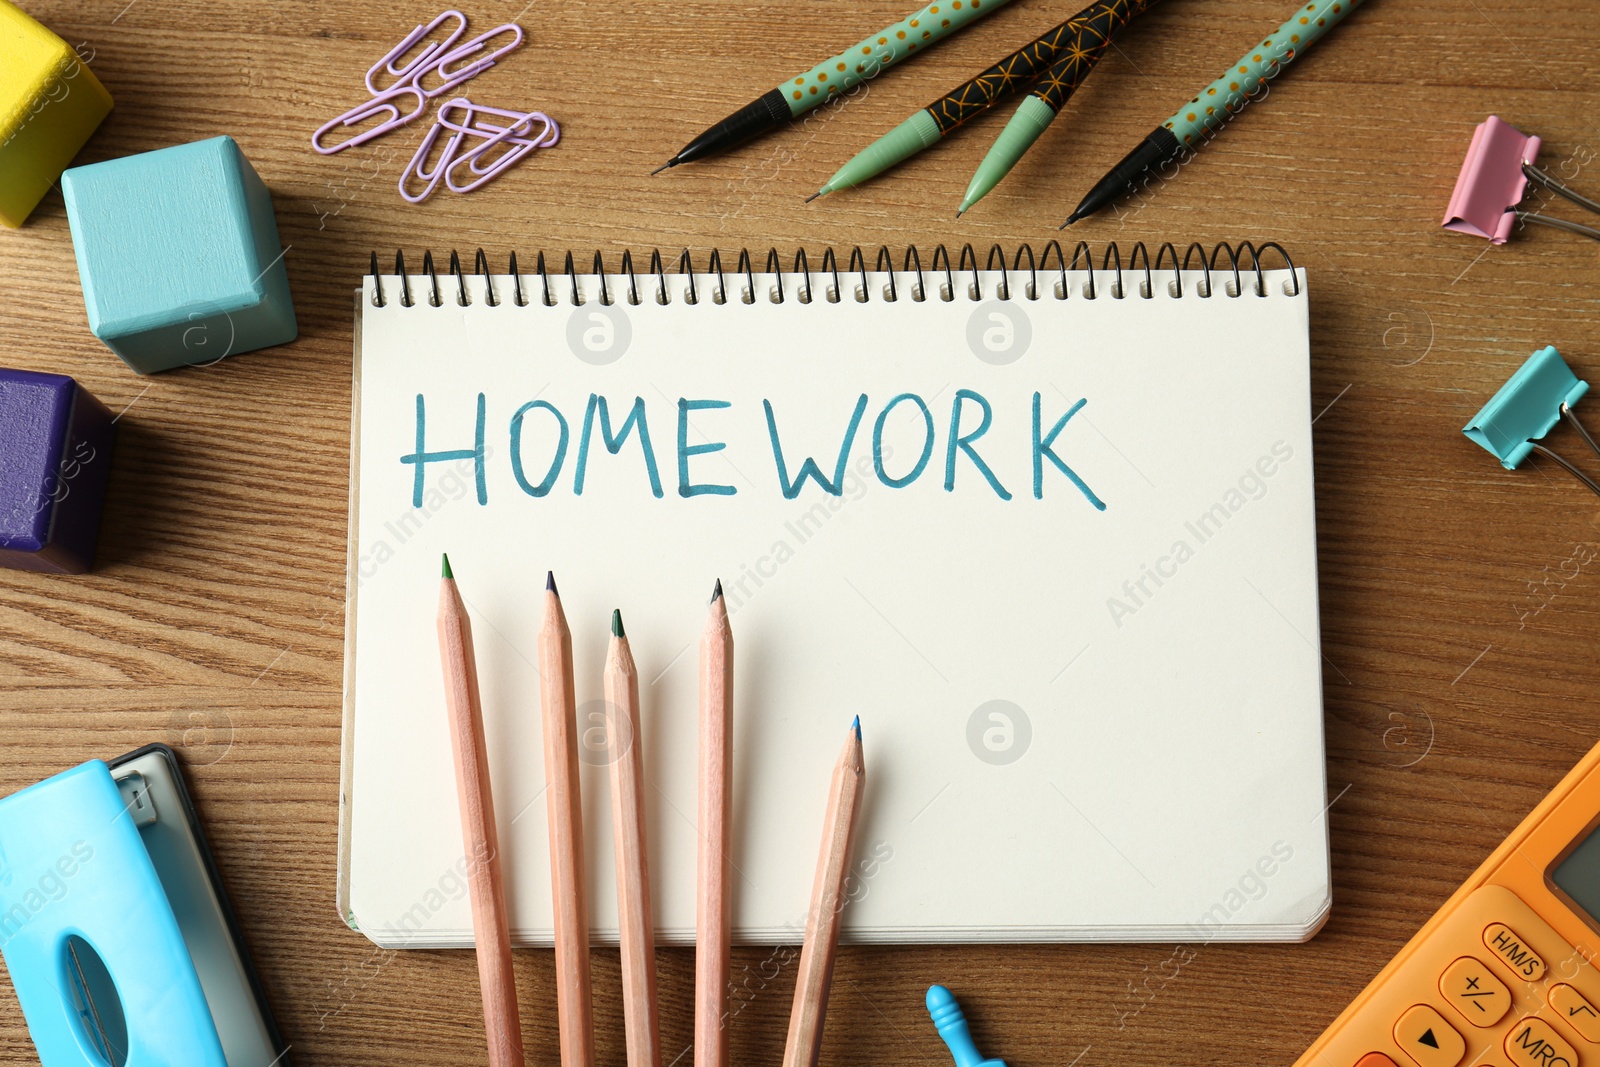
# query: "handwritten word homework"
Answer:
x=541 y=435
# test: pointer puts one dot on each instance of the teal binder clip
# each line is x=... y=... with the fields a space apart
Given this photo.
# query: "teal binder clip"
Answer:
x=952 y=1026
x=1540 y=394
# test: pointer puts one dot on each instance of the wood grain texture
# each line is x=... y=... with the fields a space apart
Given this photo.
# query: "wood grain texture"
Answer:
x=829 y=896
x=1459 y=632
x=637 y=947
x=491 y=923
x=713 y=927
x=564 y=803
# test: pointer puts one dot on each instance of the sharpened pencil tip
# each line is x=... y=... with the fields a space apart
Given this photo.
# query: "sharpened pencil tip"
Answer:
x=716 y=592
x=813 y=196
x=616 y=623
x=445 y=569
x=664 y=166
x=856 y=726
x=550 y=583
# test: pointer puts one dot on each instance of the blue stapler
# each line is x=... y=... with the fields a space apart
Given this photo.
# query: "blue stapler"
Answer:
x=114 y=927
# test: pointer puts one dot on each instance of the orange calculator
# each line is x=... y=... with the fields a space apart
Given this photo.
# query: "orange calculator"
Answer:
x=1504 y=974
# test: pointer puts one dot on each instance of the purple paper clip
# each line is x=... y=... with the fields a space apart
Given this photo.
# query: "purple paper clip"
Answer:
x=383 y=102
x=1493 y=180
x=422 y=61
x=546 y=137
x=464 y=51
x=518 y=130
x=414 y=169
x=518 y=133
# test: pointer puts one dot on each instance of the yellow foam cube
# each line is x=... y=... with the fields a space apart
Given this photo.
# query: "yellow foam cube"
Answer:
x=49 y=105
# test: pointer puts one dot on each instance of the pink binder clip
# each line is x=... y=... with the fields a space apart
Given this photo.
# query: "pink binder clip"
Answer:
x=424 y=60
x=453 y=78
x=1491 y=182
x=1494 y=178
x=384 y=102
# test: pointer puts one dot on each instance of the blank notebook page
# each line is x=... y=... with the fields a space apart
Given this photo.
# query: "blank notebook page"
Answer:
x=1059 y=554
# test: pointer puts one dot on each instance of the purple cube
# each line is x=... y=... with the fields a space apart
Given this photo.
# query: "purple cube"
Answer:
x=55 y=454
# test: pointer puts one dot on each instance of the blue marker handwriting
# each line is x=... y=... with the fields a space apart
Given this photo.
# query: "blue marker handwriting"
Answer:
x=966 y=462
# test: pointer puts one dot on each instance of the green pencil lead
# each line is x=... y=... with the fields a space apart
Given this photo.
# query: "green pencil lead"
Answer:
x=616 y=623
x=446 y=569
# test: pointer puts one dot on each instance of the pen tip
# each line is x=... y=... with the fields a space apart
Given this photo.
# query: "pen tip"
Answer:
x=445 y=570
x=960 y=211
x=664 y=166
x=716 y=591
x=616 y=623
x=813 y=196
x=856 y=726
x=550 y=583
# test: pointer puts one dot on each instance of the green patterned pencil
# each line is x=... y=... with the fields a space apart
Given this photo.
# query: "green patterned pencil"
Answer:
x=967 y=101
x=835 y=75
x=1217 y=102
x=1050 y=93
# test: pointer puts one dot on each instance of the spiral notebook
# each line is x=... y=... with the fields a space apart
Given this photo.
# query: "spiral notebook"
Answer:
x=1050 y=532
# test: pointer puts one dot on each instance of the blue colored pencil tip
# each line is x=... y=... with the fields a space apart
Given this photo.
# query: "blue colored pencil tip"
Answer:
x=550 y=583
x=856 y=726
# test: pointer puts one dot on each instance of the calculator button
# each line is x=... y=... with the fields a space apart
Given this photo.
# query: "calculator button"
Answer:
x=1376 y=1059
x=1513 y=951
x=1471 y=989
x=1532 y=1043
x=1576 y=1011
x=1424 y=1036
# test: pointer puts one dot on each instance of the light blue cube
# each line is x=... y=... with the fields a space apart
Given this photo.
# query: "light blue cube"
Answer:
x=179 y=255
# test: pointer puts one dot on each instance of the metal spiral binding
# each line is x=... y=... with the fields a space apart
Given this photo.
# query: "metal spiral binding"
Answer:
x=966 y=264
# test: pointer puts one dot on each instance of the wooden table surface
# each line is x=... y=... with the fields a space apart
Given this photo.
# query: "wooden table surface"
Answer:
x=1457 y=598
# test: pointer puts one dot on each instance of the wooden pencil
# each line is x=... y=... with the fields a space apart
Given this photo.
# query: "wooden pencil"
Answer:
x=638 y=933
x=491 y=923
x=827 y=905
x=574 y=1009
x=713 y=907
